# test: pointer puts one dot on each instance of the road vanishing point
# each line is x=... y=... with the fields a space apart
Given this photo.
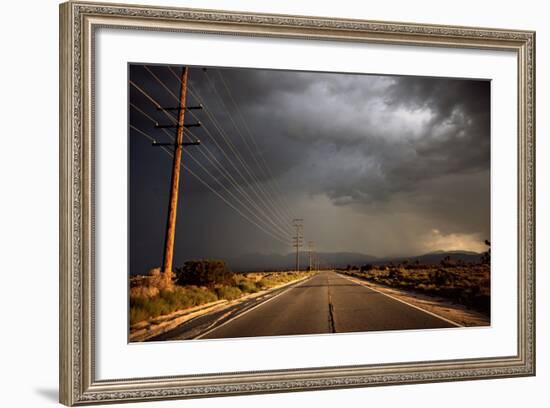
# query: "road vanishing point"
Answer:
x=327 y=302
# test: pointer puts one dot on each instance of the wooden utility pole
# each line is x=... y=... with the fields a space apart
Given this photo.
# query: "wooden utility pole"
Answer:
x=174 y=186
x=297 y=239
x=311 y=245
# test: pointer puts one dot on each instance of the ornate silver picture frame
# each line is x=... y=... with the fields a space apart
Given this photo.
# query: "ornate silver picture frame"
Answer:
x=79 y=22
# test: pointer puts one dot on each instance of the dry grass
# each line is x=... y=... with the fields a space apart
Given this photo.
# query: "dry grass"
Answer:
x=150 y=297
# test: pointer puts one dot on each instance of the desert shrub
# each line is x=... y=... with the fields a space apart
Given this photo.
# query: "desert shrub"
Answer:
x=415 y=266
x=404 y=284
x=137 y=315
x=486 y=256
x=199 y=296
x=228 y=292
x=461 y=283
x=366 y=268
x=441 y=277
x=248 y=286
x=151 y=284
x=426 y=287
x=150 y=307
x=144 y=291
x=146 y=303
x=261 y=284
x=273 y=280
x=204 y=272
x=168 y=301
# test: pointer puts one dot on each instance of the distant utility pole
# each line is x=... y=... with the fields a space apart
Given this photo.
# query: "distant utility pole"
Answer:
x=311 y=247
x=297 y=240
x=176 y=166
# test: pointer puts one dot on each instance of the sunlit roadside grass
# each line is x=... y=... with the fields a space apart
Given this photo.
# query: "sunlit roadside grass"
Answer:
x=147 y=302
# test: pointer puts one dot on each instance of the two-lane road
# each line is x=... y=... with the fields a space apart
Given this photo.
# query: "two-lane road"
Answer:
x=326 y=303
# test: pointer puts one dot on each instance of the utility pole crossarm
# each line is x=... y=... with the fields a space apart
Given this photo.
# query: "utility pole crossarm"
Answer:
x=196 y=143
x=173 y=108
x=178 y=126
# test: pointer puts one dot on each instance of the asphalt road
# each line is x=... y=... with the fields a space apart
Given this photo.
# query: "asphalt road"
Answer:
x=325 y=303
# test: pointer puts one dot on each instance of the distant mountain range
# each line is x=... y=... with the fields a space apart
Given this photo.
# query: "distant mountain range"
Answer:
x=261 y=262
x=437 y=256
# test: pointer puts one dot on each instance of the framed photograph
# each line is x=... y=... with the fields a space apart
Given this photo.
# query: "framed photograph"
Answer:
x=258 y=203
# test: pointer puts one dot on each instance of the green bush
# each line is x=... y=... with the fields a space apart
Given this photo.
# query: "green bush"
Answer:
x=205 y=272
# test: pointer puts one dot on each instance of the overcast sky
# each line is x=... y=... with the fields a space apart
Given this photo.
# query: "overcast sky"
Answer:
x=383 y=165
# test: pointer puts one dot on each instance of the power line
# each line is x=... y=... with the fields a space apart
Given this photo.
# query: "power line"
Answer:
x=239 y=132
x=255 y=186
x=266 y=168
x=216 y=164
x=224 y=171
x=278 y=233
x=219 y=167
x=237 y=129
x=213 y=190
x=251 y=180
x=270 y=203
x=231 y=146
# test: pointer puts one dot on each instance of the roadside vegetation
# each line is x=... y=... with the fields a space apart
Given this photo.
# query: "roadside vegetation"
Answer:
x=196 y=283
x=464 y=283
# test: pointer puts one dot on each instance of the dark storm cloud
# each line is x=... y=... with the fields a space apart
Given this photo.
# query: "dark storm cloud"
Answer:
x=409 y=148
x=383 y=135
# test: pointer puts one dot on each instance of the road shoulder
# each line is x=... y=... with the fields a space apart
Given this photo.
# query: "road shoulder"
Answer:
x=147 y=330
x=440 y=307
